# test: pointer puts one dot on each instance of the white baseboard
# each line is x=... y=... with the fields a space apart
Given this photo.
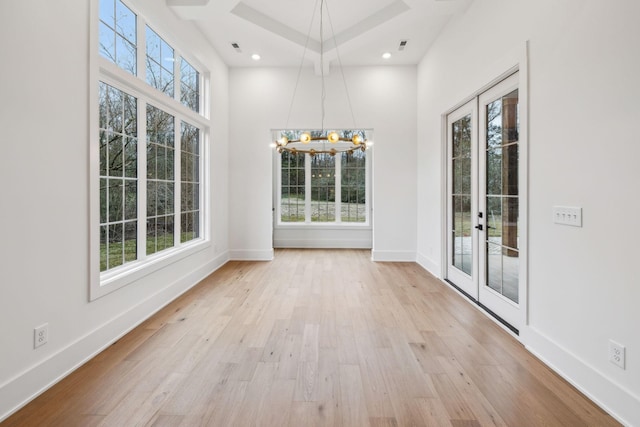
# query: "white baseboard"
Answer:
x=27 y=385
x=428 y=264
x=393 y=256
x=251 y=255
x=619 y=402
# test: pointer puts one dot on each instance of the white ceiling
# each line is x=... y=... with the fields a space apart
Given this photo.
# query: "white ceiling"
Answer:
x=277 y=29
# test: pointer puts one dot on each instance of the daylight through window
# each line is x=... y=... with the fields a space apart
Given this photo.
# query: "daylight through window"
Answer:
x=150 y=148
x=323 y=188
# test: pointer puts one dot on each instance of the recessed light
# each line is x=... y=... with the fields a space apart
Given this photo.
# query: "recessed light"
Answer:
x=255 y=57
x=386 y=55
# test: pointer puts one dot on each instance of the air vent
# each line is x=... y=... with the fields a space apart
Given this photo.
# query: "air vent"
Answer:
x=403 y=44
x=236 y=46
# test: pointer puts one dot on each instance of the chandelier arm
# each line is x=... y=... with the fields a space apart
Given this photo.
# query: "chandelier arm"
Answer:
x=314 y=151
x=306 y=44
x=344 y=80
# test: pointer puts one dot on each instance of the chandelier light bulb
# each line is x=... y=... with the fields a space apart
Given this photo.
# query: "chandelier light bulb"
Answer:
x=283 y=141
x=333 y=137
x=305 y=138
x=357 y=139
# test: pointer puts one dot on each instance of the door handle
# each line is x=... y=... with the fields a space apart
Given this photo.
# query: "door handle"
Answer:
x=479 y=227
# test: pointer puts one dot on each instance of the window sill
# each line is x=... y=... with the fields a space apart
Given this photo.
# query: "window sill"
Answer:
x=112 y=281
x=323 y=226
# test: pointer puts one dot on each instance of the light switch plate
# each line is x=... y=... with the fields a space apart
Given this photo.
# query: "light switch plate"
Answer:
x=567 y=215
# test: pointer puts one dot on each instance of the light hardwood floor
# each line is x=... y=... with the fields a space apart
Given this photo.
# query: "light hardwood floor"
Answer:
x=315 y=338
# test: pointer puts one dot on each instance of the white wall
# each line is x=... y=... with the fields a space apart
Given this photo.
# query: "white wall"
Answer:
x=583 y=151
x=44 y=196
x=384 y=99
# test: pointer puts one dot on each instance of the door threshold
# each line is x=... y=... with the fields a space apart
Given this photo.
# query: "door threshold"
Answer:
x=485 y=308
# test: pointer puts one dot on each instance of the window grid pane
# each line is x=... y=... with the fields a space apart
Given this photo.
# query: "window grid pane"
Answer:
x=323 y=188
x=160 y=59
x=189 y=86
x=117 y=34
x=190 y=182
x=292 y=200
x=118 y=181
x=353 y=183
x=160 y=180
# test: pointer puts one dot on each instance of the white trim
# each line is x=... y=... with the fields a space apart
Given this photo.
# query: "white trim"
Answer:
x=251 y=255
x=393 y=256
x=136 y=86
x=614 y=398
x=324 y=226
x=93 y=169
x=516 y=61
x=19 y=390
x=524 y=182
x=428 y=264
x=137 y=270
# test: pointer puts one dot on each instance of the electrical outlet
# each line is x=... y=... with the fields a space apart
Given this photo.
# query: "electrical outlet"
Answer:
x=40 y=335
x=567 y=215
x=616 y=353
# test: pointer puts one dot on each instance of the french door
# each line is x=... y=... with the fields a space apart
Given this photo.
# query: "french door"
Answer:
x=462 y=142
x=483 y=209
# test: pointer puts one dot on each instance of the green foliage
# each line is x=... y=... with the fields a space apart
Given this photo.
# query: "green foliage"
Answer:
x=117 y=256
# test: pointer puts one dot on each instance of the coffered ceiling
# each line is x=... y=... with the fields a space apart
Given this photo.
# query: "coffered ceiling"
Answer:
x=278 y=30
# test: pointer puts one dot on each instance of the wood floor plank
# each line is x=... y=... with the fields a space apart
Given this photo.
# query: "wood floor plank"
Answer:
x=485 y=413
x=315 y=338
x=354 y=409
x=224 y=407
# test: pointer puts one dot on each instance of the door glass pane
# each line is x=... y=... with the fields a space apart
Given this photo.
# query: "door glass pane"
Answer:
x=502 y=159
x=462 y=249
x=502 y=270
x=461 y=194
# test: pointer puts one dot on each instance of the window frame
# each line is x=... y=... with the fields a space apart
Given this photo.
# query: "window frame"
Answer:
x=103 y=70
x=308 y=223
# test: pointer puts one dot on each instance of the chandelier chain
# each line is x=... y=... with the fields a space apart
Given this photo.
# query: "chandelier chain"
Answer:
x=344 y=80
x=323 y=95
x=342 y=142
x=306 y=44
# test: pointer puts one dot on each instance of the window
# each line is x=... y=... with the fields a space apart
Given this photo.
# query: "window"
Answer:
x=160 y=179
x=150 y=152
x=118 y=177
x=189 y=86
x=323 y=188
x=292 y=200
x=159 y=63
x=118 y=37
x=353 y=191
x=190 y=183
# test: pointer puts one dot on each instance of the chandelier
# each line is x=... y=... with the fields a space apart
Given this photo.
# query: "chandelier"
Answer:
x=329 y=142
